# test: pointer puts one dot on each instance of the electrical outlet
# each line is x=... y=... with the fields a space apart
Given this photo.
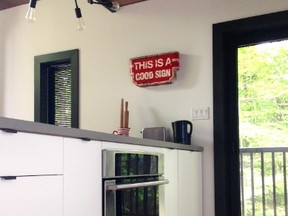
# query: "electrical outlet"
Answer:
x=200 y=113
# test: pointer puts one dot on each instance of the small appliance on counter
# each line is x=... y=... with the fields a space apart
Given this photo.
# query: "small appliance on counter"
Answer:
x=182 y=131
x=155 y=133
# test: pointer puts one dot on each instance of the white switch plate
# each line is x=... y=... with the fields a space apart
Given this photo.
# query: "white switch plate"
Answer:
x=200 y=113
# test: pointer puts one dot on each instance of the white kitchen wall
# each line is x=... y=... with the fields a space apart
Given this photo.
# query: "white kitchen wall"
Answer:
x=107 y=44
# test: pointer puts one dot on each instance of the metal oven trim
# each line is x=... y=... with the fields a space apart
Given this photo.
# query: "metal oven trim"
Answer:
x=108 y=156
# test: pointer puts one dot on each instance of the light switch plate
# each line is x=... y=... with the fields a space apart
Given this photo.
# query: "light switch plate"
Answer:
x=200 y=113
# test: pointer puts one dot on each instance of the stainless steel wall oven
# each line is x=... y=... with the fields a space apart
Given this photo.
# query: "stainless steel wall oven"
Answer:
x=131 y=181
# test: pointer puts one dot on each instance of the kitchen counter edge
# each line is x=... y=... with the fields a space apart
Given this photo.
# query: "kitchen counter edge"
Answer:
x=13 y=125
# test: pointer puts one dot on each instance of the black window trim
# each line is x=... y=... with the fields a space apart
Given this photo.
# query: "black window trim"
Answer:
x=227 y=37
x=40 y=64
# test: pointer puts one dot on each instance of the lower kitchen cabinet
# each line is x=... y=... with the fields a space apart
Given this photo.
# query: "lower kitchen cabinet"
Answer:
x=171 y=189
x=82 y=178
x=42 y=175
x=190 y=183
x=32 y=195
x=30 y=154
x=183 y=194
x=31 y=181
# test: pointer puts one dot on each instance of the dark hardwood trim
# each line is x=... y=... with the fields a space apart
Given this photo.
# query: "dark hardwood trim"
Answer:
x=5 y=4
x=227 y=37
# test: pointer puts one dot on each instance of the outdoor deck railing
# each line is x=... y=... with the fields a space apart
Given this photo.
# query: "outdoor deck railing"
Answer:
x=263 y=181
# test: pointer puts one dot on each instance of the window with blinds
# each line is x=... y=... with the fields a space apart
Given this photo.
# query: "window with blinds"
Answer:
x=62 y=100
x=56 y=88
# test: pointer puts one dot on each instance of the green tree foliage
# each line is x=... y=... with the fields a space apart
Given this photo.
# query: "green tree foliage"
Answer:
x=263 y=94
x=263 y=118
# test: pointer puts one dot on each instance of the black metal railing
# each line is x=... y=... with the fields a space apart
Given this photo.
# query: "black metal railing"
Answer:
x=263 y=181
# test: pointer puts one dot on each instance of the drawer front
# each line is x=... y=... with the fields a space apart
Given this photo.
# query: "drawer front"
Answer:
x=30 y=154
x=32 y=196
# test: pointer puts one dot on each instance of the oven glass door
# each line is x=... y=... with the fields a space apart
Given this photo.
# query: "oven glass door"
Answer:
x=142 y=201
x=131 y=183
x=133 y=196
x=135 y=164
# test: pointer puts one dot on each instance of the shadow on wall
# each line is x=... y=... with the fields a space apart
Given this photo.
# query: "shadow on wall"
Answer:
x=13 y=17
x=2 y=66
x=189 y=71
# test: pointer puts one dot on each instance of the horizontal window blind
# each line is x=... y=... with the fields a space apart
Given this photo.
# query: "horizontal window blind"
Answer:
x=63 y=95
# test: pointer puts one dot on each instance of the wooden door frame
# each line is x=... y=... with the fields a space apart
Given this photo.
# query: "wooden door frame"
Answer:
x=227 y=37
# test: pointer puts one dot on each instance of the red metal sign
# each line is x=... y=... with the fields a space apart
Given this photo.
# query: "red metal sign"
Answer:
x=154 y=69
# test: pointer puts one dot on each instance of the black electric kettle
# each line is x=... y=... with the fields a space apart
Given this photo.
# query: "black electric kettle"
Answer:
x=182 y=131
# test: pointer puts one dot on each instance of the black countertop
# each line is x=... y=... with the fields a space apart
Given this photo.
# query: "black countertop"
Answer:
x=40 y=128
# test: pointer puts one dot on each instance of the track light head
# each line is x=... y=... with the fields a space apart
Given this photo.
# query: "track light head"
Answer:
x=112 y=6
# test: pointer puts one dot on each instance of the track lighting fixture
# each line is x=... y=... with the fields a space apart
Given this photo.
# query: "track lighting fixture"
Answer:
x=112 y=6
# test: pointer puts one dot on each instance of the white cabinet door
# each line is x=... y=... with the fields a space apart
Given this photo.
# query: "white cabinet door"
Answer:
x=170 y=202
x=30 y=154
x=36 y=161
x=190 y=183
x=31 y=196
x=82 y=178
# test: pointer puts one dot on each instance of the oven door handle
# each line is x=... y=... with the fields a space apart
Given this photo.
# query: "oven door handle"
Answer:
x=136 y=185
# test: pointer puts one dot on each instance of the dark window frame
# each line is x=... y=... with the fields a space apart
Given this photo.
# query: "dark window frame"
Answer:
x=41 y=65
x=227 y=37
